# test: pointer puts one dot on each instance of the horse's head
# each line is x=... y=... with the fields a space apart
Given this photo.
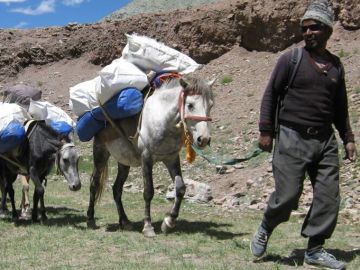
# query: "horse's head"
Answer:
x=196 y=101
x=67 y=162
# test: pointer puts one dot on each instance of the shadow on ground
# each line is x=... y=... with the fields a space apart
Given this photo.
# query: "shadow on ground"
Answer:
x=296 y=257
x=216 y=230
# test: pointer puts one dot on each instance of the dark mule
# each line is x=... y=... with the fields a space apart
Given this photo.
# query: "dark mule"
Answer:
x=178 y=107
x=35 y=157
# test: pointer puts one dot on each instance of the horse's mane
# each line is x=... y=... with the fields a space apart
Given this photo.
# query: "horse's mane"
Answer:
x=196 y=85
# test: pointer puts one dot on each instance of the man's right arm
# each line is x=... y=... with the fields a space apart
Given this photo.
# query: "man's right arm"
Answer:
x=274 y=87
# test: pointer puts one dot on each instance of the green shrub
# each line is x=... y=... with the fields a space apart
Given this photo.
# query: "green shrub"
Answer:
x=226 y=79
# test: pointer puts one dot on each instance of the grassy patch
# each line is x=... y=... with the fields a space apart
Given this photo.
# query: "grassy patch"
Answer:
x=205 y=237
x=343 y=53
x=226 y=79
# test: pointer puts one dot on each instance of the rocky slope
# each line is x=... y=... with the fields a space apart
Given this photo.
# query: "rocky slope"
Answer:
x=238 y=41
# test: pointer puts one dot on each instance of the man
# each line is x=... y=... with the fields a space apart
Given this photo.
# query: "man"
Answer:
x=21 y=94
x=305 y=141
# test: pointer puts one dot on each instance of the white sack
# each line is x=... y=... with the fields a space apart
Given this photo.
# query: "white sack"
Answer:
x=148 y=54
x=118 y=75
x=10 y=112
x=83 y=96
x=43 y=110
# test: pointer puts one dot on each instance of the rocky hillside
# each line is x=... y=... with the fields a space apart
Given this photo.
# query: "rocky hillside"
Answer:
x=204 y=33
x=239 y=42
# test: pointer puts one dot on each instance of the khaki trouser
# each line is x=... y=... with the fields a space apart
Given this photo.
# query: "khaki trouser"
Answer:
x=294 y=156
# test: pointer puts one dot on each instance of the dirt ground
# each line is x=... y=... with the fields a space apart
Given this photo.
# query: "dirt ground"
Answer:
x=40 y=58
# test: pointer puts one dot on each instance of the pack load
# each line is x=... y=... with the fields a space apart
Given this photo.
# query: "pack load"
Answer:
x=150 y=55
x=124 y=104
x=117 y=88
x=120 y=74
x=12 y=132
x=21 y=94
x=83 y=96
x=54 y=116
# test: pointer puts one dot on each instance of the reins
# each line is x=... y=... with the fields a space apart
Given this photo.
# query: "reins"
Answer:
x=215 y=159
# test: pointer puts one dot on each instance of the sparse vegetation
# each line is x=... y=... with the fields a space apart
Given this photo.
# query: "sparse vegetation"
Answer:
x=226 y=79
x=205 y=238
x=343 y=53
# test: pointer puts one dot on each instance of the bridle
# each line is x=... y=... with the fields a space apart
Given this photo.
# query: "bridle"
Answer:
x=58 y=154
x=181 y=106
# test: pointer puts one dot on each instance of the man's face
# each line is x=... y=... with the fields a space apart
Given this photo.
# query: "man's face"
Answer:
x=315 y=34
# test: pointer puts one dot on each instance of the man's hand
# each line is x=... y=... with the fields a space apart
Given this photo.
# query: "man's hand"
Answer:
x=266 y=142
x=350 y=150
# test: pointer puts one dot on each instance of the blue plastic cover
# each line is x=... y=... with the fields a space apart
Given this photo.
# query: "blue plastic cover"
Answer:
x=61 y=127
x=11 y=136
x=87 y=126
x=122 y=105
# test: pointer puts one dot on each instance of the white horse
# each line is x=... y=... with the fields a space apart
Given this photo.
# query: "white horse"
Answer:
x=179 y=107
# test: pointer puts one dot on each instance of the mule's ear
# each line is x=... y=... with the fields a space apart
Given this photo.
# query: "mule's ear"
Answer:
x=210 y=83
x=183 y=83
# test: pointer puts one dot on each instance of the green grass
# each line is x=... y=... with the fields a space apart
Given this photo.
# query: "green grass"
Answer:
x=357 y=89
x=343 y=53
x=205 y=237
x=226 y=79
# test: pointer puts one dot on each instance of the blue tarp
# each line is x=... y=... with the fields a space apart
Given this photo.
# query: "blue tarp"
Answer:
x=124 y=104
x=11 y=136
x=61 y=127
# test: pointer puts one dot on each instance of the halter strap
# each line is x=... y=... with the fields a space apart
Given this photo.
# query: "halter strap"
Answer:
x=181 y=106
x=65 y=146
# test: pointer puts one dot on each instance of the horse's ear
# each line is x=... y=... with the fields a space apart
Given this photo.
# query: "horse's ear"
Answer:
x=183 y=83
x=210 y=83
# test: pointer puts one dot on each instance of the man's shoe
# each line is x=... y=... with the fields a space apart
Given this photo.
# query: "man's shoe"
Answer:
x=323 y=259
x=259 y=243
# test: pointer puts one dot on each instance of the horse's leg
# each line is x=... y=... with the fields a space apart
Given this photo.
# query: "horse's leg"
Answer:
x=11 y=192
x=42 y=206
x=147 y=165
x=38 y=194
x=25 y=203
x=180 y=188
x=3 y=208
x=123 y=172
x=100 y=156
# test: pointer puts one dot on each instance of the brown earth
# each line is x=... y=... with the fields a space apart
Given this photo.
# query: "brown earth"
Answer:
x=238 y=40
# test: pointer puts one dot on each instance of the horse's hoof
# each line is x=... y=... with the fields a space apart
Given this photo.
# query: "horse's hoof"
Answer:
x=167 y=225
x=3 y=213
x=148 y=231
x=44 y=218
x=25 y=213
x=91 y=224
x=15 y=216
x=126 y=225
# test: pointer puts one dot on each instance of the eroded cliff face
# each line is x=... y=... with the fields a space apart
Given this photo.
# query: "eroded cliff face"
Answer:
x=204 y=33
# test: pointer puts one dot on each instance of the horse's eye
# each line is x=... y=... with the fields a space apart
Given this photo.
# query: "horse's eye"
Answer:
x=190 y=107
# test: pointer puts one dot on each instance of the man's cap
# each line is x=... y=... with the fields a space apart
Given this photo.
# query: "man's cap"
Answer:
x=321 y=11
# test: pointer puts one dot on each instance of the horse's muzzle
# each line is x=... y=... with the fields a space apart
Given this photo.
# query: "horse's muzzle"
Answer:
x=75 y=187
x=202 y=142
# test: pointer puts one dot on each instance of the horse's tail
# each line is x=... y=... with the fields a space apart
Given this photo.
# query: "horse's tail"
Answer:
x=103 y=178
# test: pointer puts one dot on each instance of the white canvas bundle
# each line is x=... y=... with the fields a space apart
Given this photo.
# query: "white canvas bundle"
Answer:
x=43 y=110
x=83 y=96
x=10 y=112
x=118 y=75
x=148 y=54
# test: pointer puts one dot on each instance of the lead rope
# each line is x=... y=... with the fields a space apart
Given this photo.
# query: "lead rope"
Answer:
x=23 y=170
x=190 y=154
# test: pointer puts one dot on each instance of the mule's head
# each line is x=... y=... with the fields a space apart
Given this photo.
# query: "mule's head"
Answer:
x=196 y=102
x=67 y=162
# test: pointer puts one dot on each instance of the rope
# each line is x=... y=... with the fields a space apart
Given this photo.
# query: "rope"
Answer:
x=214 y=159
x=23 y=169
